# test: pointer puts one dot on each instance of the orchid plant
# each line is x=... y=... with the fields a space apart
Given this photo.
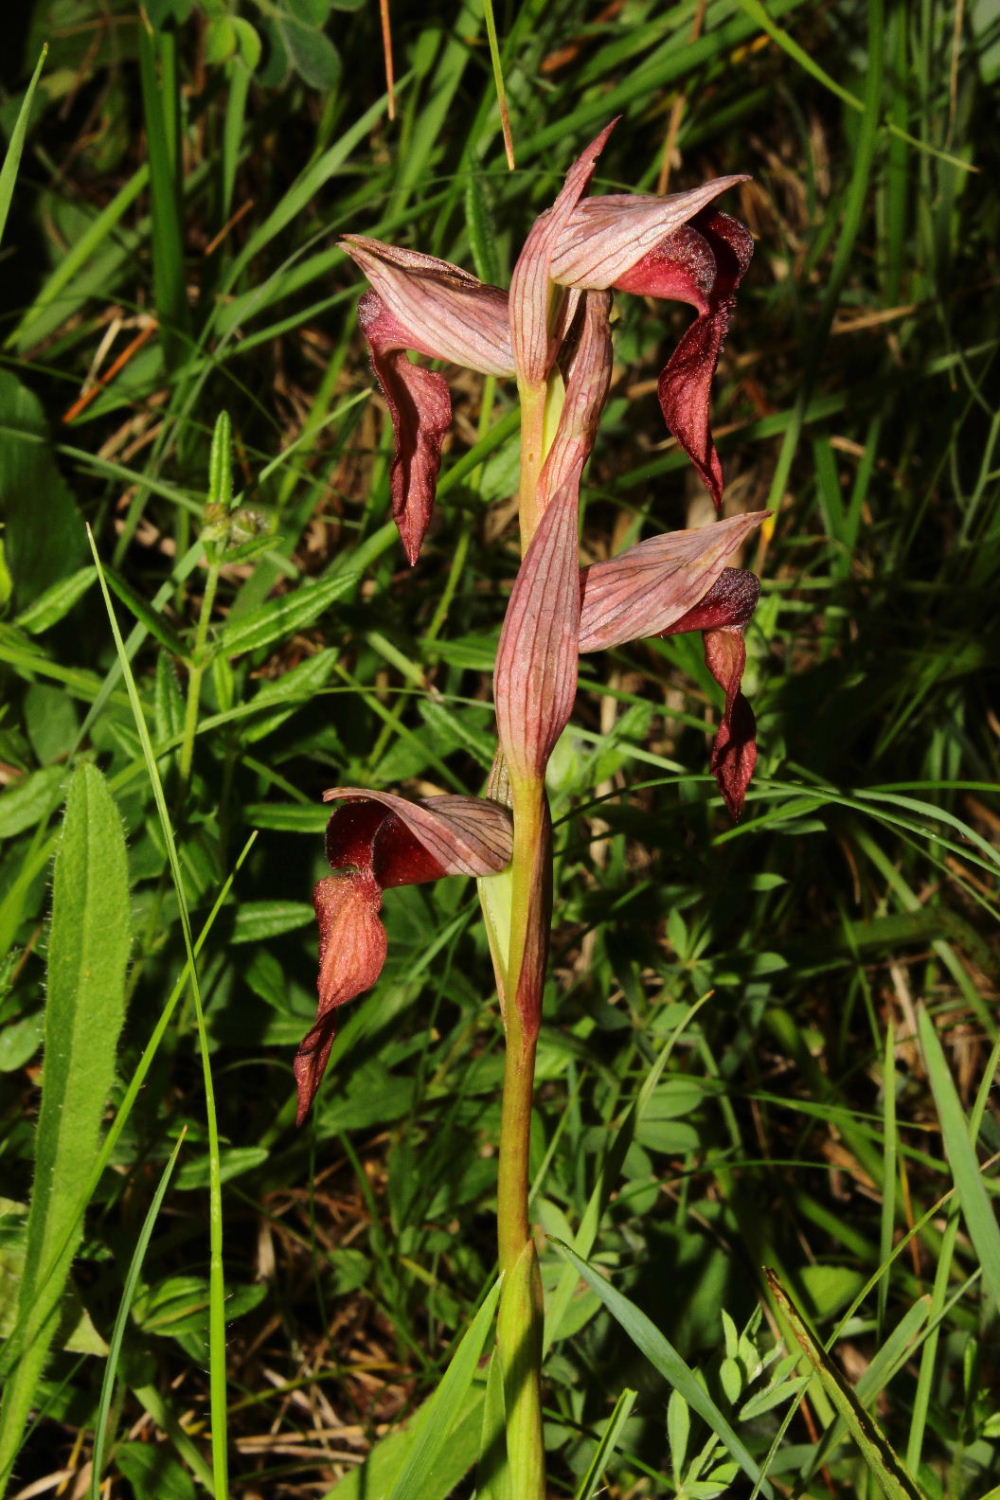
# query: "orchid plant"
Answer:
x=552 y=334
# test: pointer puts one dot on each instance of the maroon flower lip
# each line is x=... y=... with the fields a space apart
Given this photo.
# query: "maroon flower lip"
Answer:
x=374 y=841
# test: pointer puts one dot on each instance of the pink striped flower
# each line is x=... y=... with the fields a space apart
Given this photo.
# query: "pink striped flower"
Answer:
x=667 y=585
x=375 y=841
x=678 y=247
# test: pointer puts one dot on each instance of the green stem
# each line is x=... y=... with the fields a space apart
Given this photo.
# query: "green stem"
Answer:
x=520 y=1325
x=197 y=670
x=521 y=979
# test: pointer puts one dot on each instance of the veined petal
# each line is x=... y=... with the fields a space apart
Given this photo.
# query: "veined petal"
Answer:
x=438 y=309
x=352 y=950
x=656 y=583
x=419 y=404
x=536 y=672
x=407 y=842
x=535 y=322
x=605 y=237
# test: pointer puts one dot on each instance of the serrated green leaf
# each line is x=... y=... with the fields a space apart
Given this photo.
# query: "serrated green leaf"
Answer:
x=482 y=233
x=302 y=683
x=168 y=701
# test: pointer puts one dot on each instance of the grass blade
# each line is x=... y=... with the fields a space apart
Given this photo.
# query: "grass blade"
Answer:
x=972 y=1195
x=665 y=1359
x=605 y=1448
x=217 y=1323
x=121 y=1320
x=879 y=1457
x=12 y=158
x=437 y=1417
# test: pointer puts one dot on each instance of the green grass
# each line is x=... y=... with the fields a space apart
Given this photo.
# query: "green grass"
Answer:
x=765 y=1046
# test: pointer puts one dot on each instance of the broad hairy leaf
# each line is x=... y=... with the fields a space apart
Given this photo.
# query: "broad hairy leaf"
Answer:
x=88 y=951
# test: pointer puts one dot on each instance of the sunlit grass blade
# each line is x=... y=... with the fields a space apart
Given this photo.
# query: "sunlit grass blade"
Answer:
x=609 y=1440
x=498 y=82
x=879 y=1457
x=438 y=1416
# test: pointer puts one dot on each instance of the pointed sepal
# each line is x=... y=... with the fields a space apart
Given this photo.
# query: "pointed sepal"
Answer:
x=648 y=588
x=534 y=684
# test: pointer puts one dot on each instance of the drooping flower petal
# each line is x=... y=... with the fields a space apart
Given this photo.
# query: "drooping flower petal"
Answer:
x=431 y=307
x=734 y=754
x=419 y=404
x=605 y=237
x=703 y=264
x=375 y=841
x=723 y=615
x=646 y=589
x=352 y=950
x=440 y=310
x=534 y=684
x=537 y=318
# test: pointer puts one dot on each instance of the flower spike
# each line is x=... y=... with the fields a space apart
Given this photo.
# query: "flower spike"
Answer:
x=535 y=331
